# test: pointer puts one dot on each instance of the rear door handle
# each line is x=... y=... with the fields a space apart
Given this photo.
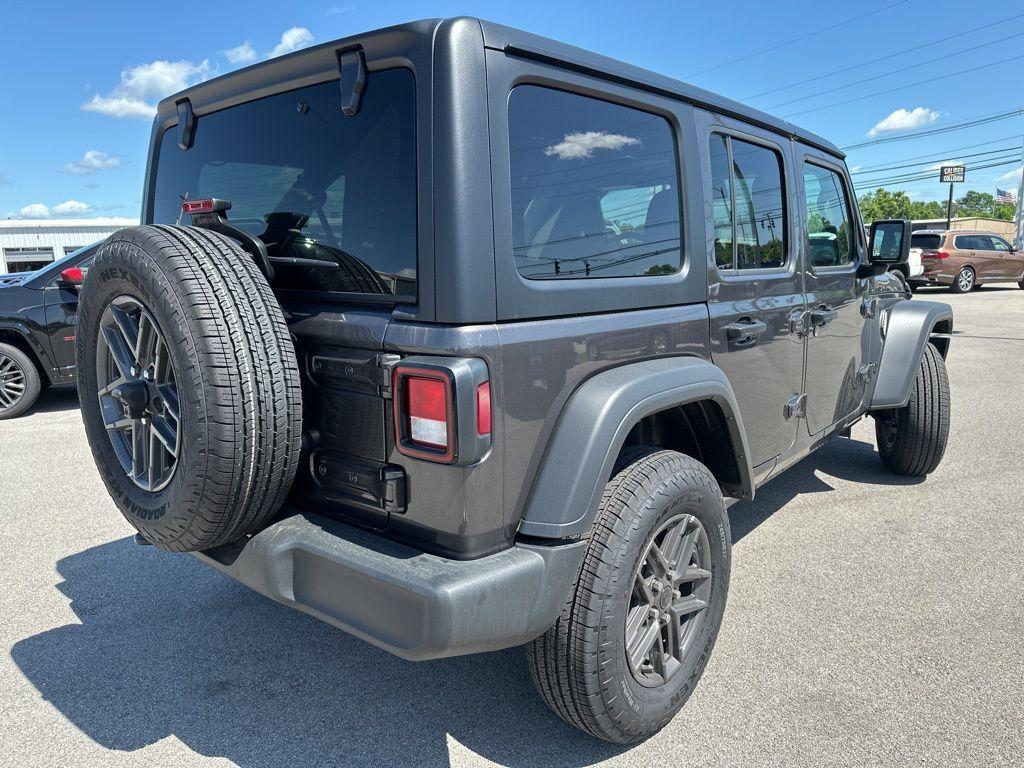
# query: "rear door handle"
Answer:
x=823 y=316
x=745 y=331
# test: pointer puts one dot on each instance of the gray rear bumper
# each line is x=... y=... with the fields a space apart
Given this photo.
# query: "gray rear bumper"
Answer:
x=415 y=605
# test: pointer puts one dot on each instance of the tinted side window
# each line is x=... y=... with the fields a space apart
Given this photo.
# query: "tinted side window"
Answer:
x=594 y=188
x=828 y=218
x=968 y=243
x=747 y=200
x=998 y=244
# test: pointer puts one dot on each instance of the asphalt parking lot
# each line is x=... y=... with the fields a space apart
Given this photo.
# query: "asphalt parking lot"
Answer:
x=871 y=620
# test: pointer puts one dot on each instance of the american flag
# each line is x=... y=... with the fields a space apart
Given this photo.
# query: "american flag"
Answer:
x=1005 y=196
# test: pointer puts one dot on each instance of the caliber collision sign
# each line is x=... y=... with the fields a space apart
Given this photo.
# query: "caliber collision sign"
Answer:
x=952 y=173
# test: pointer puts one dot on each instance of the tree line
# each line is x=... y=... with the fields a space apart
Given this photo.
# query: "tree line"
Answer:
x=883 y=204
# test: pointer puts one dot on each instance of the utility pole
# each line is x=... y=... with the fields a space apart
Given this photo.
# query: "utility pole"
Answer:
x=1020 y=202
x=949 y=207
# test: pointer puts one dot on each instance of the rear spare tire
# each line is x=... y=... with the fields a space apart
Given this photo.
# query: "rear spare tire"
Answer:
x=189 y=386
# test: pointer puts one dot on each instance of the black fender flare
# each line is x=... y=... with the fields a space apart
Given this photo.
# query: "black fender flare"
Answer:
x=41 y=354
x=593 y=427
x=907 y=331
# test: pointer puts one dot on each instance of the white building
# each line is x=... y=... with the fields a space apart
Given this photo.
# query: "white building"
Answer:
x=27 y=244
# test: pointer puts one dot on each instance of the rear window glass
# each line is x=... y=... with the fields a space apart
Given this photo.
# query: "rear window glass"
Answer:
x=335 y=195
x=594 y=188
x=925 y=242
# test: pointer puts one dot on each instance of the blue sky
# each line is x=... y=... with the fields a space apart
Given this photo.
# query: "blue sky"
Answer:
x=80 y=78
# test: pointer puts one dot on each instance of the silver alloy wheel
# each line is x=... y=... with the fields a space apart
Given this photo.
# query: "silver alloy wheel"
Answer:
x=12 y=382
x=670 y=595
x=965 y=279
x=138 y=393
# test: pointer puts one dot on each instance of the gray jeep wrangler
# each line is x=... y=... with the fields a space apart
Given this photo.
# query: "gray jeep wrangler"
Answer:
x=459 y=338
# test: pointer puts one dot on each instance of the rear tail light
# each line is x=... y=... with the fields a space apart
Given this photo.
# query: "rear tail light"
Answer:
x=934 y=255
x=428 y=410
x=442 y=409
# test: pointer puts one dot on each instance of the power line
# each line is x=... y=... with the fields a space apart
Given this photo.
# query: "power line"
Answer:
x=970 y=123
x=795 y=39
x=904 y=87
x=895 y=71
x=935 y=159
x=943 y=40
x=948 y=152
x=925 y=176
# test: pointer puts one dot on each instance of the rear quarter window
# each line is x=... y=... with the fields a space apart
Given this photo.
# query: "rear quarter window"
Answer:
x=595 y=188
x=926 y=242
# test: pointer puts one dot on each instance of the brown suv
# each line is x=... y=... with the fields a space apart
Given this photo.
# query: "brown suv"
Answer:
x=963 y=259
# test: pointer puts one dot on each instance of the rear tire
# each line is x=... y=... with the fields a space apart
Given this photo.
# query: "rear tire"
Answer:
x=20 y=383
x=912 y=439
x=965 y=281
x=221 y=402
x=582 y=667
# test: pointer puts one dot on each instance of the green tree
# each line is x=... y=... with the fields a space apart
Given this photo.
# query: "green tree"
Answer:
x=1006 y=211
x=974 y=204
x=883 y=204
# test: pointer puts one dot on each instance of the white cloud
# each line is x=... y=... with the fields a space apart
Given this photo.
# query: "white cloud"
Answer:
x=141 y=86
x=576 y=146
x=241 y=54
x=854 y=168
x=905 y=120
x=35 y=211
x=92 y=161
x=292 y=40
x=336 y=10
x=1012 y=175
x=937 y=166
x=71 y=208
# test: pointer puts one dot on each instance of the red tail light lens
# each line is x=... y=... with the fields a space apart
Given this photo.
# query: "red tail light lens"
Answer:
x=934 y=255
x=427 y=410
x=941 y=255
x=483 y=409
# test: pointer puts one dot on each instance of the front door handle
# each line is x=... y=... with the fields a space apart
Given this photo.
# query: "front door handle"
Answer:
x=822 y=316
x=745 y=331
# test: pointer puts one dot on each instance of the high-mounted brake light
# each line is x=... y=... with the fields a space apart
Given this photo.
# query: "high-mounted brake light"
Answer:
x=205 y=205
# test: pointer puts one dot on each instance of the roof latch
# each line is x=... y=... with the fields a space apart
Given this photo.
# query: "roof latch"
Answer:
x=352 y=66
x=186 y=124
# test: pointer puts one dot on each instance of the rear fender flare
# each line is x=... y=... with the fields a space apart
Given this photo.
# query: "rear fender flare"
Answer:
x=593 y=427
x=40 y=353
x=907 y=332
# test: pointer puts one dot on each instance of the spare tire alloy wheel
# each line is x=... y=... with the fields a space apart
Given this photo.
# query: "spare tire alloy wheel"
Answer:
x=189 y=384
x=138 y=394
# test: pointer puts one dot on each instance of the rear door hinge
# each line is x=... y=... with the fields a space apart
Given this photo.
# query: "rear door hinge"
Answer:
x=387 y=362
x=796 y=406
x=866 y=373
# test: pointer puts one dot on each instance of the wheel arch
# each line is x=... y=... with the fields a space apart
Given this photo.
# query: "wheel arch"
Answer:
x=611 y=407
x=18 y=336
x=910 y=327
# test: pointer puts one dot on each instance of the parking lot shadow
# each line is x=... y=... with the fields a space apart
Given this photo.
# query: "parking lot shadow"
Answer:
x=168 y=647
x=853 y=460
x=56 y=399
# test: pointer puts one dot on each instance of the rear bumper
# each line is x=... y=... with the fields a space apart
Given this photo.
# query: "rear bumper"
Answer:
x=415 y=605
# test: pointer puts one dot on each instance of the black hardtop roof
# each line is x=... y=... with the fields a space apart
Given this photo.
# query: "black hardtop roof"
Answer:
x=303 y=64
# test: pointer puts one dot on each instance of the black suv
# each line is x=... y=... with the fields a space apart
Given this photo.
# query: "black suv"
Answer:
x=37 y=330
x=459 y=338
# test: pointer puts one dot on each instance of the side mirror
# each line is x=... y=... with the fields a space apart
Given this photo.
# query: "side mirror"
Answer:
x=72 y=277
x=889 y=242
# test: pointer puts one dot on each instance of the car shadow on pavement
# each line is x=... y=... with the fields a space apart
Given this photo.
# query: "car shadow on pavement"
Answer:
x=55 y=399
x=846 y=459
x=168 y=647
